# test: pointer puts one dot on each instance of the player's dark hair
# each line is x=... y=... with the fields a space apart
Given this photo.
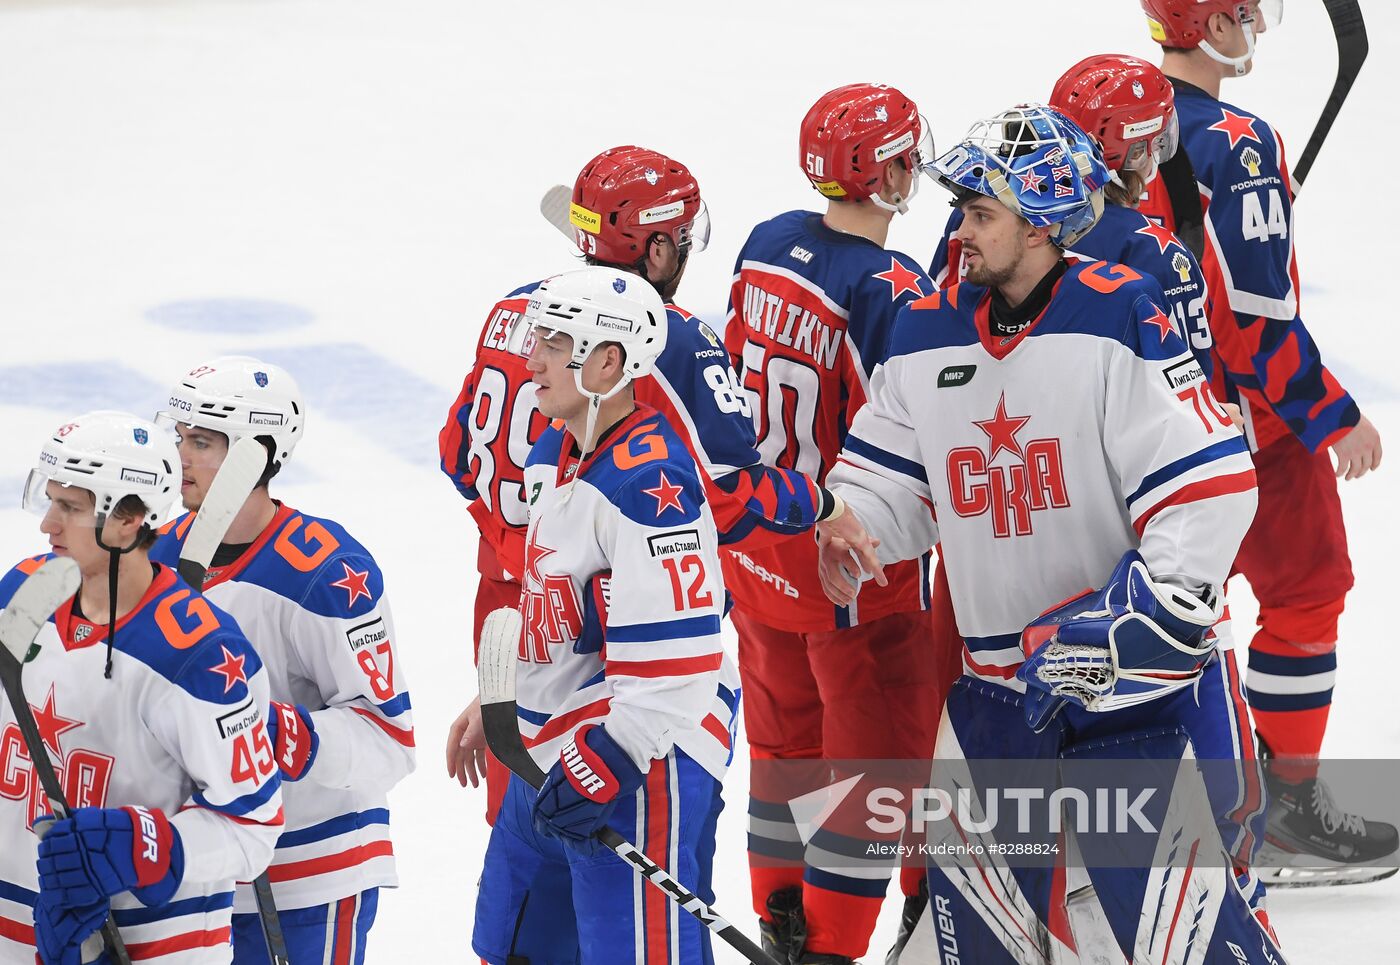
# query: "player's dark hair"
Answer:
x=132 y=506
x=1127 y=194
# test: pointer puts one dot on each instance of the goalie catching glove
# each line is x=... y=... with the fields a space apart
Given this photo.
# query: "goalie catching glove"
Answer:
x=1133 y=641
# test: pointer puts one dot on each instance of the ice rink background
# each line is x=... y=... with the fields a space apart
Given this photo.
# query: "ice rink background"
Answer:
x=345 y=186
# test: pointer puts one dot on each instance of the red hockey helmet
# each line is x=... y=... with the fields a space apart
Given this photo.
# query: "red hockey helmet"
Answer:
x=627 y=194
x=1124 y=102
x=852 y=131
x=1182 y=23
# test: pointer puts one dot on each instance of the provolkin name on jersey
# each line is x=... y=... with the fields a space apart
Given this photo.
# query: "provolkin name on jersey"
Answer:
x=676 y=541
x=955 y=375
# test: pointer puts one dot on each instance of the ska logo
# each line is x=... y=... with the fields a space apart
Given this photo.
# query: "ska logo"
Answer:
x=1028 y=479
x=553 y=614
x=83 y=774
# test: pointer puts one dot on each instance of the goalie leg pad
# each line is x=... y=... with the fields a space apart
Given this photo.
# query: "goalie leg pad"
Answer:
x=1185 y=907
x=981 y=909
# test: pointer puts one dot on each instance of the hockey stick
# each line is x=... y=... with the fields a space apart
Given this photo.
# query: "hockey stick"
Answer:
x=28 y=610
x=1352 y=48
x=500 y=640
x=239 y=473
x=555 y=208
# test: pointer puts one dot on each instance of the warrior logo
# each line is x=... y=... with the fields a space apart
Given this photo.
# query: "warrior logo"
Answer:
x=1029 y=479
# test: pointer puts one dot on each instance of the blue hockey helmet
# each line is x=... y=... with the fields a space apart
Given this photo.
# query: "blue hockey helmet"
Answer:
x=1037 y=162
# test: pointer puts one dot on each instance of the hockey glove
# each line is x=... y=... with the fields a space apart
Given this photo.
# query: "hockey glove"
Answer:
x=60 y=932
x=294 y=739
x=1133 y=641
x=596 y=596
x=582 y=789
x=96 y=853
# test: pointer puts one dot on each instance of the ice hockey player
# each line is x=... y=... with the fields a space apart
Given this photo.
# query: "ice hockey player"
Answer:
x=312 y=600
x=1126 y=104
x=813 y=299
x=151 y=705
x=1228 y=192
x=1029 y=419
x=639 y=212
x=636 y=734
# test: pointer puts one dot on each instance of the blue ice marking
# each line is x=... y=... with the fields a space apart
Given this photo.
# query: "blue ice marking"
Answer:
x=70 y=388
x=393 y=406
x=241 y=315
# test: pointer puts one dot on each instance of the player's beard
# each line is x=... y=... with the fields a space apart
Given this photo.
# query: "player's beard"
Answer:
x=985 y=276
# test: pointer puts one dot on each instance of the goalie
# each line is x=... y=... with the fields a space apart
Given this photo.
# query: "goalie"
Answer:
x=1045 y=422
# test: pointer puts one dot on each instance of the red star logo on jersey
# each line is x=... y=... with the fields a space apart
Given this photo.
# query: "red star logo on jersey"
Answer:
x=1158 y=233
x=52 y=725
x=1001 y=430
x=901 y=280
x=231 y=668
x=666 y=495
x=355 y=583
x=1030 y=181
x=1237 y=127
x=1161 y=322
x=534 y=552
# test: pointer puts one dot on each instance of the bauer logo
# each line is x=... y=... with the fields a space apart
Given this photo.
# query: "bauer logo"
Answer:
x=678 y=541
x=955 y=375
x=614 y=324
x=1183 y=373
x=239 y=721
x=264 y=418
x=367 y=634
x=139 y=476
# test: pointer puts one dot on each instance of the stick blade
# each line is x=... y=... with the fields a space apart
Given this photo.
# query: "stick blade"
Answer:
x=555 y=208
x=500 y=645
x=35 y=601
x=240 y=472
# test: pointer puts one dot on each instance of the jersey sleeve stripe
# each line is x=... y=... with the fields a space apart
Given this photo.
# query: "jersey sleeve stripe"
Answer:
x=331 y=862
x=675 y=667
x=1205 y=489
x=565 y=722
x=1226 y=447
x=342 y=824
x=883 y=458
x=717 y=730
x=180 y=943
x=403 y=735
x=203 y=904
x=245 y=805
x=665 y=630
x=397 y=707
x=17 y=932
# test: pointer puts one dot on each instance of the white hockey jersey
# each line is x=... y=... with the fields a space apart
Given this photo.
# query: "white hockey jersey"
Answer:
x=311 y=599
x=180 y=727
x=661 y=679
x=1039 y=459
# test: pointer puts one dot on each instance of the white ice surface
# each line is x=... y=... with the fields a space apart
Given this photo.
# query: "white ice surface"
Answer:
x=345 y=186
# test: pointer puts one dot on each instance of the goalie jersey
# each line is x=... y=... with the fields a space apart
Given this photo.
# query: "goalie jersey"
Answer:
x=311 y=599
x=1039 y=459
x=494 y=422
x=661 y=679
x=180 y=726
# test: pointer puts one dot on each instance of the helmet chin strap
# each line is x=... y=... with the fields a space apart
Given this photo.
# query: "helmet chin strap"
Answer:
x=1240 y=63
x=900 y=204
x=114 y=556
x=595 y=404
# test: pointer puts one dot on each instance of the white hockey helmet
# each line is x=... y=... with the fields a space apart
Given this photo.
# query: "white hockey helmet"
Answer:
x=597 y=305
x=112 y=455
x=239 y=396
